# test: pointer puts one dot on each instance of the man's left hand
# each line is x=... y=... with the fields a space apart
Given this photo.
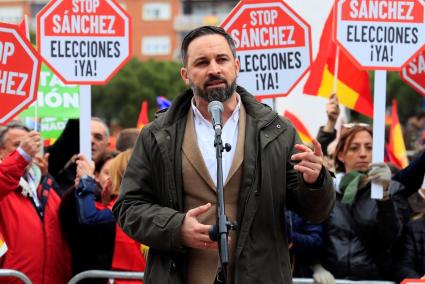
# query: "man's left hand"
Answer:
x=310 y=161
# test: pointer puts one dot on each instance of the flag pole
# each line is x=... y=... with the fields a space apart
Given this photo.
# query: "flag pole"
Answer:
x=26 y=29
x=335 y=86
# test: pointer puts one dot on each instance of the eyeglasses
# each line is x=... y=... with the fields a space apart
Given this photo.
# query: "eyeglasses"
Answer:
x=359 y=124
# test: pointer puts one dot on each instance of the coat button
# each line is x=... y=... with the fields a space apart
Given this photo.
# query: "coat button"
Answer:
x=267 y=136
x=168 y=137
x=278 y=126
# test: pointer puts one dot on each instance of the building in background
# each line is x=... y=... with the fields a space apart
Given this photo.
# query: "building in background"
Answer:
x=158 y=25
x=196 y=13
x=12 y=11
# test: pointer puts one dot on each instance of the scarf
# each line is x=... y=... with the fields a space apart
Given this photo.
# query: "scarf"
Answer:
x=29 y=186
x=350 y=185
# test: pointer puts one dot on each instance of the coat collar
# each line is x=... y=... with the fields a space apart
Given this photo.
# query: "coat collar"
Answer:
x=179 y=108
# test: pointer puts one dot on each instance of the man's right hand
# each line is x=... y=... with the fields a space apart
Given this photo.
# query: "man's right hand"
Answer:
x=31 y=143
x=195 y=234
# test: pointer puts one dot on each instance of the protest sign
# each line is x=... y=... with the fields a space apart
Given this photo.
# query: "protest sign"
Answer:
x=84 y=41
x=382 y=34
x=56 y=103
x=273 y=44
x=19 y=72
x=413 y=73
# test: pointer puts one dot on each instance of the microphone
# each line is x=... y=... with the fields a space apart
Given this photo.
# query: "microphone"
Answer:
x=215 y=108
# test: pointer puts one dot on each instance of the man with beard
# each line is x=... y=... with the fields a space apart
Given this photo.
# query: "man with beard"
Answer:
x=168 y=194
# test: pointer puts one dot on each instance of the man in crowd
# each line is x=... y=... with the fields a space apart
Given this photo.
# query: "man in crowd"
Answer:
x=63 y=152
x=29 y=210
x=99 y=139
x=168 y=194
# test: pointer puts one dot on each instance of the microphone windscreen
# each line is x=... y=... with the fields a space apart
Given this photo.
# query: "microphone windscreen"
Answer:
x=215 y=105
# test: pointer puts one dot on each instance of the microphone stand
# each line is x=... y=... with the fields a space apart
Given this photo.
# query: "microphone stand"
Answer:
x=220 y=231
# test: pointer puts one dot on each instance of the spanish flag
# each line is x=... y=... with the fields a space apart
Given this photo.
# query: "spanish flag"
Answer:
x=299 y=127
x=352 y=86
x=3 y=246
x=143 y=115
x=396 y=148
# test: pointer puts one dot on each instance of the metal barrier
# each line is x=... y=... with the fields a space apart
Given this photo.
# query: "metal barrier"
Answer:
x=106 y=274
x=16 y=274
x=340 y=281
x=139 y=276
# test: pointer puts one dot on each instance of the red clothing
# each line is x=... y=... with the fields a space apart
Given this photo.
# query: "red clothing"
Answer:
x=11 y=170
x=127 y=252
x=36 y=246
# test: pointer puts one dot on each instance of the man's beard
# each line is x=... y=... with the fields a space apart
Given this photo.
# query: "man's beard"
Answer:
x=220 y=94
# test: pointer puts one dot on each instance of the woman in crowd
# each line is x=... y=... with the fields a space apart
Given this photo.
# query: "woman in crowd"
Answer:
x=91 y=245
x=360 y=233
x=126 y=253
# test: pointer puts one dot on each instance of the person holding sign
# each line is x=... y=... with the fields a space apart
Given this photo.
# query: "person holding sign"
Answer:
x=168 y=194
x=29 y=204
x=360 y=233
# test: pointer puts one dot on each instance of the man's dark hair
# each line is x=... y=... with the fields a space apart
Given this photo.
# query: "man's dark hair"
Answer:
x=202 y=31
x=11 y=125
x=126 y=139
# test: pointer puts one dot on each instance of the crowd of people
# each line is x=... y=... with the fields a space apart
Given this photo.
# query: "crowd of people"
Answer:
x=148 y=204
x=56 y=226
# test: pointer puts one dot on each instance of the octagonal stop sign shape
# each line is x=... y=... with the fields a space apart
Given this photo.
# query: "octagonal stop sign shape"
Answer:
x=380 y=35
x=19 y=72
x=84 y=41
x=413 y=73
x=273 y=46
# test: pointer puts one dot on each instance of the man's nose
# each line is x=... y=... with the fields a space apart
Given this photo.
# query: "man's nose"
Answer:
x=214 y=68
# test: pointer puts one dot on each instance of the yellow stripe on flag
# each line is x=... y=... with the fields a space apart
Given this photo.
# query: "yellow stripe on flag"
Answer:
x=346 y=95
x=399 y=147
x=305 y=138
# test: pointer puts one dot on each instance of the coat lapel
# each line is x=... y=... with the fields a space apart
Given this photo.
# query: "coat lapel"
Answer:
x=238 y=158
x=193 y=154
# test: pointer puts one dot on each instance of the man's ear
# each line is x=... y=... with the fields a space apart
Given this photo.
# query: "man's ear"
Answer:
x=238 y=65
x=185 y=77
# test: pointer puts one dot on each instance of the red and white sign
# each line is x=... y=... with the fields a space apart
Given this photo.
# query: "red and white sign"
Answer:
x=414 y=73
x=19 y=72
x=382 y=34
x=273 y=45
x=84 y=41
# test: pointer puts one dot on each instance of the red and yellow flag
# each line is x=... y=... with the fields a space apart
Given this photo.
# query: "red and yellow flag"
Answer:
x=396 y=148
x=299 y=127
x=143 y=115
x=3 y=246
x=352 y=87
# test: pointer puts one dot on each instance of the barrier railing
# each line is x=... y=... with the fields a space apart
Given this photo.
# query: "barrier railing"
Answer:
x=15 y=274
x=107 y=274
x=340 y=281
